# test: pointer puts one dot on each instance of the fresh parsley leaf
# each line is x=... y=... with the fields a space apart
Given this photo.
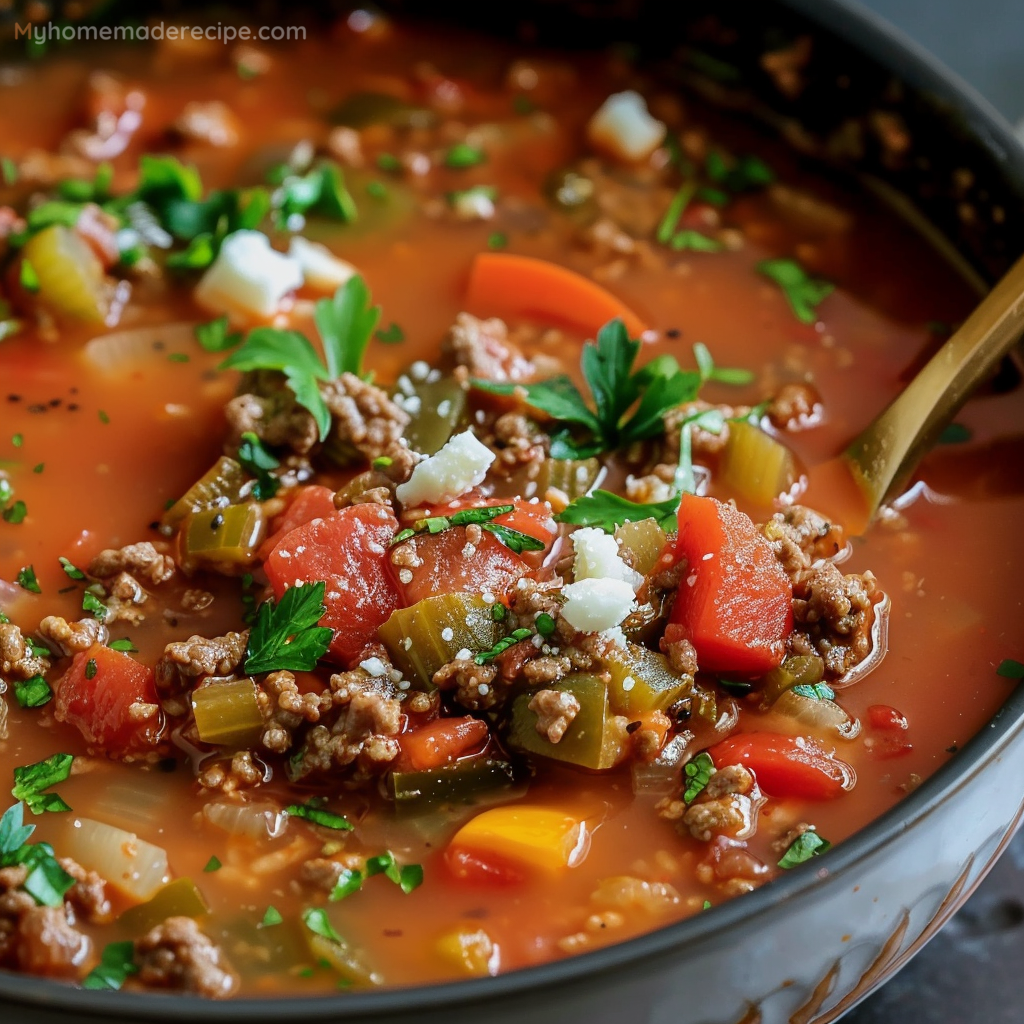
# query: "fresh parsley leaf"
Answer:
x=609 y=511
x=349 y=881
x=15 y=513
x=1010 y=669
x=124 y=645
x=213 y=864
x=695 y=241
x=463 y=155
x=30 y=781
x=803 y=293
x=313 y=812
x=26 y=579
x=346 y=323
x=743 y=175
x=497 y=240
x=389 y=162
x=255 y=457
x=92 y=604
x=697 y=773
x=558 y=397
x=32 y=693
x=390 y=335
x=514 y=540
x=806 y=845
x=407 y=877
x=47 y=881
x=117 y=962
x=14 y=834
x=502 y=645
x=271 y=917
x=70 y=569
x=215 y=337
x=317 y=921
x=197 y=255
x=164 y=178
x=8 y=171
x=286 y=635
x=320 y=191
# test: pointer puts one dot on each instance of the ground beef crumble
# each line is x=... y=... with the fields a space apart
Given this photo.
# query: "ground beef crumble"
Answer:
x=483 y=348
x=17 y=659
x=177 y=955
x=555 y=710
x=71 y=637
x=143 y=560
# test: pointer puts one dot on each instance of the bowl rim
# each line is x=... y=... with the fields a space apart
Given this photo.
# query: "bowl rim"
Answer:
x=867 y=31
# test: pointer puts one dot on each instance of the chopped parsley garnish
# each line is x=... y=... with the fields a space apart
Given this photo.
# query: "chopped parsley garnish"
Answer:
x=806 y=845
x=346 y=323
x=17 y=440
x=955 y=433
x=407 y=876
x=502 y=645
x=1010 y=669
x=377 y=190
x=15 y=512
x=313 y=811
x=70 y=569
x=286 y=635
x=707 y=905
x=667 y=227
x=390 y=335
x=463 y=155
x=30 y=781
x=695 y=241
x=91 y=669
x=124 y=645
x=746 y=173
x=8 y=171
x=803 y=293
x=816 y=691
x=321 y=190
x=26 y=579
x=349 y=881
x=697 y=773
x=215 y=337
x=256 y=458
x=177 y=357
x=32 y=693
x=719 y=374
x=39 y=467
x=609 y=511
x=213 y=864
x=713 y=196
x=514 y=540
x=271 y=917
x=317 y=921
x=6 y=490
x=497 y=240
x=104 y=418
x=117 y=962
x=92 y=604
x=28 y=279
x=389 y=162
x=616 y=388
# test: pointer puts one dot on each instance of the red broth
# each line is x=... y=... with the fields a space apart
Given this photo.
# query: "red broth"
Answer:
x=97 y=452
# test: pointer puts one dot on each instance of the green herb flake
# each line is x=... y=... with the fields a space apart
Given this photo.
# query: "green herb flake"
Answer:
x=117 y=963
x=17 y=440
x=349 y=882
x=124 y=645
x=312 y=811
x=806 y=845
x=104 y=418
x=463 y=155
x=257 y=460
x=317 y=921
x=177 y=357
x=39 y=467
x=667 y=228
x=33 y=693
x=70 y=570
x=31 y=780
x=497 y=240
x=47 y=881
x=91 y=669
x=26 y=579
x=955 y=433
x=707 y=905
x=803 y=293
x=286 y=635
x=28 y=277
x=502 y=645
x=8 y=171
x=609 y=511
x=407 y=877
x=271 y=918
x=377 y=190
x=695 y=241
x=15 y=513
x=215 y=336
x=697 y=773
x=213 y=864
x=14 y=834
x=1010 y=669
x=92 y=604
x=390 y=335
x=382 y=462
x=389 y=162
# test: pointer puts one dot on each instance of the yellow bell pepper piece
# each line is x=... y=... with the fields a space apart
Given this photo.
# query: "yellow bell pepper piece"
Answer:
x=524 y=834
x=473 y=952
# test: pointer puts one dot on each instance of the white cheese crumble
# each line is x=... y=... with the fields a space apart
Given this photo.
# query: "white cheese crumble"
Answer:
x=460 y=465
x=321 y=269
x=374 y=667
x=597 y=557
x=623 y=127
x=248 y=277
x=595 y=605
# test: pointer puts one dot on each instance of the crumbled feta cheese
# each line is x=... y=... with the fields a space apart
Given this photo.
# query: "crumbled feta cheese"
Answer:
x=321 y=269
x=595 y=605
x=464 y=655
x=473 y=204
x=623 y=127
x=374 y=667
x=248 y=277
x=447 y=634
x=460 y=465
x=597 y=557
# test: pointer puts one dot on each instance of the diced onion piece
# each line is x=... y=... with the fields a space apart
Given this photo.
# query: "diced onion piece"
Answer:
x=460 y=465
x=820 y=713
x=115 y=351
x=130 y=864
x=756 y=466
x=248 y=278
x=597 y=557
x=596 y=605
x=321 y=269
x=227 y=713
x=258 y=820
x=623 y=127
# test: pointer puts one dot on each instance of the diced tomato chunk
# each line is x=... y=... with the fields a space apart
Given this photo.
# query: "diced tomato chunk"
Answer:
x=309 y=503
x=96 y=695
x=450 y=564
x=481 y=869
x=735 y=599
x=348 y=550
x=786 y=766
x=440 y=742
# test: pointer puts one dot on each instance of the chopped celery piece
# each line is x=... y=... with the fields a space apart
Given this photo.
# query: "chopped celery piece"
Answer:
x=362 y=109
x=414 y=792
x=223 y=538
x=756 y=466
x=441 y=413
x=796 y=670
x=426 y=635
x=573 y=477
x=338 y=954
x=642 y=681
x=179 y=898
x=593 y=739
x=227 y=713
x=71 y=279
x=644 y=540
x=219 y=486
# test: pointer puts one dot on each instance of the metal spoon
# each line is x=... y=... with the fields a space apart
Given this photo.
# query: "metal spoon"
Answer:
x=878 y=463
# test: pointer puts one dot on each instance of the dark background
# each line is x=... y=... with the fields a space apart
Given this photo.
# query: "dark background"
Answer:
x=973 y=971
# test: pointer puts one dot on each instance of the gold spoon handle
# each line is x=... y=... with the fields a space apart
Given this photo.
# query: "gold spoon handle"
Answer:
x=882 y=458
